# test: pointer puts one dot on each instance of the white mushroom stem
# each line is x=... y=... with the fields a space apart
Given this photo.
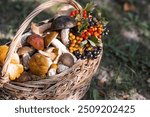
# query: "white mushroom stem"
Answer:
x=49 y=62
x=40 y=29
x=52 y=72
x=61 y=68
x=25 y=59
x=65 y=36
x=62 y=47
x=44 y=53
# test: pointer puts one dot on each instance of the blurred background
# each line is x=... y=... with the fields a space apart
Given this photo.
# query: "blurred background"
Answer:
x=124 y=72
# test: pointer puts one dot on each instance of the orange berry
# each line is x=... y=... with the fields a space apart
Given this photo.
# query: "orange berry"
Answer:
x=74 y=41
x=77 y=38
x=73 y=37
x=78 y=23
x=81 y=39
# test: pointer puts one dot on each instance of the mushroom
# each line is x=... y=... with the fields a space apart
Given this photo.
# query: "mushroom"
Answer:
x=61 y=68
x=15 y=59
x=40 y=29
x=63 y=23
x=25 y=76
x=66 y=59
x=25 y=53
x=49 y=37
x=36 y=41
x=52 y=70
x=65 y=36
x=63 y=48
x=3 y=53
x=51 y=52
x=23 y=40
x=14 y=71
x=38 y=64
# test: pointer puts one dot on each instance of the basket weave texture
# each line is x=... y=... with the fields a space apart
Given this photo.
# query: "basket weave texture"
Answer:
x=73 y=83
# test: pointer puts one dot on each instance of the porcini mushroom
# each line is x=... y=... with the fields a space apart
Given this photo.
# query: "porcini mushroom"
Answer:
x=66 y=59
x=25 y=53
x=63 y=23
x=38 y=64
x=36 y=41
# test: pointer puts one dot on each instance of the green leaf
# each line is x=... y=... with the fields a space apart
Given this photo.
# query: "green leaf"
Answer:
x=83 y=43
x=84 y=26
x=94 y=39
x=89 y=7
x=96 y=95
x=92 y=43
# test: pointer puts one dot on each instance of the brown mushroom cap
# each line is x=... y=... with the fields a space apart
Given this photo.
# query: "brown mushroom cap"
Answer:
x=24 y=50
x=63 y=22
x=66 y=59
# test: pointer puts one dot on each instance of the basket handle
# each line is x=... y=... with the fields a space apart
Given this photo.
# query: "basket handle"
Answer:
x=22 y=28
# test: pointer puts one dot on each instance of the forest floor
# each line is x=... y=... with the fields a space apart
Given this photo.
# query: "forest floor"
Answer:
x=124 y=72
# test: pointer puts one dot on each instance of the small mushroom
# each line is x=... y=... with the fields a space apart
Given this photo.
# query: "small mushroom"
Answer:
x=63 y=23
x=66 y=59
x=38 y=64
x=25 y=53
x=36 y=41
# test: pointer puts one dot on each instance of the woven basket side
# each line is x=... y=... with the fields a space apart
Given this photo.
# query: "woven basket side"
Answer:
x=72 y=85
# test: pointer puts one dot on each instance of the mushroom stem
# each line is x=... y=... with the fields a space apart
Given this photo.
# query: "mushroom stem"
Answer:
x=53 y=69
x=65 y=36
x=25 y=59
x=61 y=47
x=40 y=29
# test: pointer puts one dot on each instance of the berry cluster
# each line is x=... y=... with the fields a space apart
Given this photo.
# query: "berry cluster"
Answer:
x=93 y=31
x=76 y=12
x=88 y=53
x=75 y=42
x=87 y=27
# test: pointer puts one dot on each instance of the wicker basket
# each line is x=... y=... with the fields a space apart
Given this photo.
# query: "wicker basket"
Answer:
x=70 y=84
